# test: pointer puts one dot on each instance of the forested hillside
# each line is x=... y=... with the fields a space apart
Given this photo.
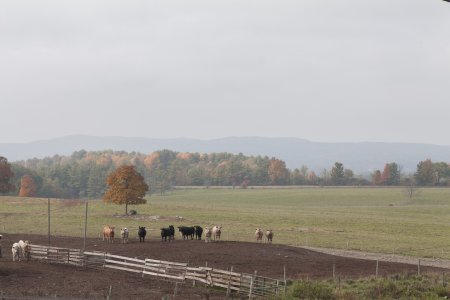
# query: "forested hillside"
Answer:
x=362 y=158
x=83 y=174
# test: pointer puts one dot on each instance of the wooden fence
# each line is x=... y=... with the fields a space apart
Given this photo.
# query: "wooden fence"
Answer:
x=249 y=285
x=57 y=255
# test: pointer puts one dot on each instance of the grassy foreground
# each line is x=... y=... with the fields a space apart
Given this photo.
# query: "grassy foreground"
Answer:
x=368 y=219
x=394 y=287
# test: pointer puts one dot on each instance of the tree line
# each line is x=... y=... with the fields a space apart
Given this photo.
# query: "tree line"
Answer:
x=83 y=174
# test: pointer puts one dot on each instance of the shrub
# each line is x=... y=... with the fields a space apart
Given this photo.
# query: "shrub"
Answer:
x=310 y=290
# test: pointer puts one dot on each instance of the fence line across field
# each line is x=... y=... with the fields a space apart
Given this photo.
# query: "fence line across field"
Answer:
x=250 y=285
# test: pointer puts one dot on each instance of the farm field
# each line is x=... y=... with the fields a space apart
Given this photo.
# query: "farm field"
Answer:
x=380 y=220
x=35 y=278
x=367 y=219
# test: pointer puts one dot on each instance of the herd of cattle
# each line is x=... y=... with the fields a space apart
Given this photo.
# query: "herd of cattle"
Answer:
x=191 y=232
x=22 y=250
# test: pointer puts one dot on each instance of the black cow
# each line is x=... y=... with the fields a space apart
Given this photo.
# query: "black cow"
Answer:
x=198 y=232
x=142 y=233
x=187 y=232
x=167 y=232
x=172 y=232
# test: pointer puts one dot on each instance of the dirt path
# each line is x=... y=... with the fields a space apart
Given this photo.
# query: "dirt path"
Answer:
x=394 y=258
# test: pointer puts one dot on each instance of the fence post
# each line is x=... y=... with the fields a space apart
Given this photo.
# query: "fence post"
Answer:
x=443 y=279
x=229 y=283
x=284 y=278
x=175 y=292
x=276 y=291
x=376 y=270
x=143 y=268
x=109 y=294
x=206 y=274
x=240 y=283
x=334 y=272
x=252 y=283
x=418 y=268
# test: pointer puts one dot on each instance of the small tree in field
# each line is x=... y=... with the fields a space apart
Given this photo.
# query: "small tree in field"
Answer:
x=126 y=186
x=411 y=189
x=27 y=186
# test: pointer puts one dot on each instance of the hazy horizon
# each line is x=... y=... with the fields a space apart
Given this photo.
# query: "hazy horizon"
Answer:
x=218 y=138
x=320 y=70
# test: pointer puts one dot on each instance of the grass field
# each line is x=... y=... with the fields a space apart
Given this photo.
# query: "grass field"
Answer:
x=369 y=219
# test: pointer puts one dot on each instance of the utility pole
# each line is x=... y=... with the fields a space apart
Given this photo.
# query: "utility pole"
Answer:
x=48 y=204
x=85 y=226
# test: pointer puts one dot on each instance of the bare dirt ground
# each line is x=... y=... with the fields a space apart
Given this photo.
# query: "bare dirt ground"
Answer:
x=35 y=279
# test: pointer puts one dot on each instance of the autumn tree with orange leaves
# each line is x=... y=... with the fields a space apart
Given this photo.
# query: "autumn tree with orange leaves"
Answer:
x=278 y=173
x=126 y=186
x=27 y=186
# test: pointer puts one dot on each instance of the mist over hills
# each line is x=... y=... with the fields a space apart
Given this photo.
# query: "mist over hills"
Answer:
x=360 y=157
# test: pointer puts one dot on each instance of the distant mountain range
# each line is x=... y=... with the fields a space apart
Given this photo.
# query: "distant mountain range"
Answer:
x=360 y=157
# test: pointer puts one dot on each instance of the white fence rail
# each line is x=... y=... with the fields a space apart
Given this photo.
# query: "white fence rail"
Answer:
x=241 y=283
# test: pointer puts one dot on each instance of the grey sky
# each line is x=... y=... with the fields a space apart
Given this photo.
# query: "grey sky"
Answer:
x=324 y=70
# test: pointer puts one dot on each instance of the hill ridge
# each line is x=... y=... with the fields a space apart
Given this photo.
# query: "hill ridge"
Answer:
x=361 y=157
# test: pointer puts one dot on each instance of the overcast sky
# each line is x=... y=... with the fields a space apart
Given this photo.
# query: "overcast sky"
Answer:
x=323 y=70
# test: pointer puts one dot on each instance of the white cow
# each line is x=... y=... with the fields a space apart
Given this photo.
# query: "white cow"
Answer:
x=259 y=234
x=16 y=251
x=269 y=235
x=208 y=234
x=216 y=232
x=25 y=249
x=124 y=235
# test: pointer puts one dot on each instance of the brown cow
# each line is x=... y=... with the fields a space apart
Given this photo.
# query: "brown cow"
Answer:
x=108 y=234
x=259 y=234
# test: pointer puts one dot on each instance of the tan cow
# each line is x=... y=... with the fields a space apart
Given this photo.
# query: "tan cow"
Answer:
x=208 y=234
x=108 y=234
x=269 y=235
x=259 y=234
x=216 y=232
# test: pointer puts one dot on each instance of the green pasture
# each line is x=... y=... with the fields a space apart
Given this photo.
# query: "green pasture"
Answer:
x=369 y=219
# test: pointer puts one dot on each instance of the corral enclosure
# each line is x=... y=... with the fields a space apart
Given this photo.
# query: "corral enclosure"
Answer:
x=60 y=279
x=368 y=219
